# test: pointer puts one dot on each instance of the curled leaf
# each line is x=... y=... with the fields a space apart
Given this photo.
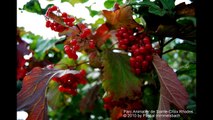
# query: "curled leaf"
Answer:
x=171 y=91
x=32 y=97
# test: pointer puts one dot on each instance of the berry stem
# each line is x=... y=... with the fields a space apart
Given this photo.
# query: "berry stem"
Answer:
x=168 y=51
x=166 y=43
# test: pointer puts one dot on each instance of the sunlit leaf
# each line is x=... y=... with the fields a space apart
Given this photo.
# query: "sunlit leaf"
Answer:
x=92 y=12
x=121 y=17
x=171 y=91
x=33 y=6
x=65 y=63
x=117 y=76
x=108 y=4
x=98 y=22
x=32 y=98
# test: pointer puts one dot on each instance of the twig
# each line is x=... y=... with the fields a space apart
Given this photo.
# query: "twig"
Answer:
x=168 y=51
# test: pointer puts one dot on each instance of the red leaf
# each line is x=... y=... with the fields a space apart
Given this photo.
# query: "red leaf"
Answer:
x=101 y=35
x=32 y=98
x=171 y=92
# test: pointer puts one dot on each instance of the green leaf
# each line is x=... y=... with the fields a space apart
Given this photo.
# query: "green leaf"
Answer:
x=168 y=4
x=153 y=8
x=54 y=96
x=73 y=2
x=98 y=22
x=42 y=46
x=33 y=6
x=186 y=45
x=157 y=10
x=65 y=63
x=117 y=76
x=109 y=4
x=92 y=12
x=187 y=20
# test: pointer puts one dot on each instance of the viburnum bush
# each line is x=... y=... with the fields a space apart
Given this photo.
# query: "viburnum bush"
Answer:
x=119 y=69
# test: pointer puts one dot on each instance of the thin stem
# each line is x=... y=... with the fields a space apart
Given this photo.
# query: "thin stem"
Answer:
x=113 y=45
x=168 y=51
x=168 y=42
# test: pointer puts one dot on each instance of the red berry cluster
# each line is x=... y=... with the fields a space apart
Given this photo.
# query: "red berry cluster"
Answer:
x=139 y=44
x=71 y=49
x=55 y=26
x=69 y=82
x=85 y=33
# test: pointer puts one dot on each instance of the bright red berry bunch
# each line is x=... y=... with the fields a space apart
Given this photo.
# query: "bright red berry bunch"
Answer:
x=71 y=49
x=68 y=83
x=139 y=45
x=67 y=20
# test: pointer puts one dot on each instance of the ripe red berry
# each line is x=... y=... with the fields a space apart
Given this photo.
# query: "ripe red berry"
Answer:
x=146 y=40
x=48 y=23
x=91 y=44
x=149 y=58
x=148 y=47
x=73 y=42
x=107 y=99
x=64 y=15
x=53 y=8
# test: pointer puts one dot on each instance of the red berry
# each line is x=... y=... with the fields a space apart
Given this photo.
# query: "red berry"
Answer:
x=124 y=47
x=64 y=14
x=91 y=44
x=48 y=23
x=146 y=40
x=61 y=88
x=134 y=47
x=132 y=61
x=142 y=50
x=73 y=42
x=149 y=58
x=136 y=52
x=53 y=8
x=107 y=99
x=83 y=72
x=76 y=48
x=148 y=47
x=137 y=71
x=139 y=58
x=145 y=64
